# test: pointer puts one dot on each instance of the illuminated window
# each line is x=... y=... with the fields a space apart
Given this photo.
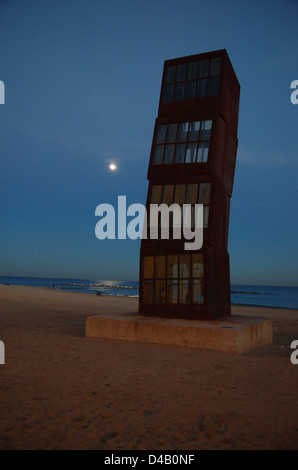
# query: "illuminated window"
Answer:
x=169 y=153
x=197 y=292
x=203 y=150
x=183 y=131
x=204 y=198
x=179 y=91
x=213 y=86
x=203 y=68
x=193 y=80
x=185 y=142
x=158 y=154
x=171 y=73
x=148 y=267
x=168 y=193
x=172 y=266
x=184 y=291
x=206 y=130
x=215 y=67
x=191 y=153
x=179 y=194
x=180 y=153
x=156 y=194
x=160 y=267
x=194 y=129
x=192 y=71
x=160 y=292
x=202 y=88
x=148 y=292
x=190 y=90
x=174 y=279
x=172 y=292
x=172 y=131
x=193 y=193
x=161 y=134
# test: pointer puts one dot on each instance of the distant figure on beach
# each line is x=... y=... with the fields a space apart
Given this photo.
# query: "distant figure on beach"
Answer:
x=98 y=293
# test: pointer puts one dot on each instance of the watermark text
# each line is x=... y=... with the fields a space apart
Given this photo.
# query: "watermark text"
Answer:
x=165 y=221
x=2 y=92
x=294 y=94
x=2 y=353
x=294 y=355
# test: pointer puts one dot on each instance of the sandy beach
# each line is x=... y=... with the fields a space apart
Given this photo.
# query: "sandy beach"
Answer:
x=61 y=390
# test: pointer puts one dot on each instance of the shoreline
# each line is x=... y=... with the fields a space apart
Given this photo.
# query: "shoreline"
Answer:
x=136 y=296
x=61 y=390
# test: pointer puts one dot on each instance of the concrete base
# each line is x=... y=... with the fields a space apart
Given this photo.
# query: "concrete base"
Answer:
x=235 y=334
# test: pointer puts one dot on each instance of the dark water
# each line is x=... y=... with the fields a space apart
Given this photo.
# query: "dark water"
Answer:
x=264 y=296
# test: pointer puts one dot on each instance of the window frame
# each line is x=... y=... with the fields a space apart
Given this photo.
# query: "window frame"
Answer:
x=174 y=285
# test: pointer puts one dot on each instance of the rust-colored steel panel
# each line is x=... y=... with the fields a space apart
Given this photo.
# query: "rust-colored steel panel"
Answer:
x=192 y=161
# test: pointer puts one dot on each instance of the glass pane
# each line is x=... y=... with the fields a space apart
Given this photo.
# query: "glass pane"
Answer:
x=204 y=197
x=172 y=266
x=168 y=93
x=180 y=151
x=202 y=88
x=156 y=194
x=194 y=129
x=184 y=266
x=170 y=77
x=215 y=67
x=148 y=292
x=190 y=90
x=205 y=130
x=160 y=267
x=148 y=267
x=183 y=131
x=172 y=292
x=206 y=216
x=172 y=131
x=157 y=156
x=181 y=72
x=197 y=265
x=192 y=71
x=184 y=294
x=197 y=292
x=161 y=134
x=192 y=193
x=203 y=68
x=180 y=194
x=191 y=153
x=213 y=86
x=179 y=91
x=169 y=154
x=203 y=152
x=168 y=193
x=160 y=292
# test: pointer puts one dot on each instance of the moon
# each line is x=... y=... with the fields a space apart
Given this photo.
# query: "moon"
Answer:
x=113 y=167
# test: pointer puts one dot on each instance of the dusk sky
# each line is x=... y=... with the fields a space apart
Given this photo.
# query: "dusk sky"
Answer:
x=82 y=82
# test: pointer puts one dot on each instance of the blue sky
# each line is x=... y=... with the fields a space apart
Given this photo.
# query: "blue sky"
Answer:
x=82 y=81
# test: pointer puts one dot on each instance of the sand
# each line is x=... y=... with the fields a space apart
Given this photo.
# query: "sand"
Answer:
x=61 y=390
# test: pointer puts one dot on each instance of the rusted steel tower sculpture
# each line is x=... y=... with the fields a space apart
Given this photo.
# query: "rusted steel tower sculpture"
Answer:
x=192 y=161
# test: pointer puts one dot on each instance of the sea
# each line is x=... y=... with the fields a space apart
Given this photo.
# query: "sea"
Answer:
x=262 y=296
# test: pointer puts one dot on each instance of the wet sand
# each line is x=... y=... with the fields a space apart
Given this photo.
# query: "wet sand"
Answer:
x=61 y=390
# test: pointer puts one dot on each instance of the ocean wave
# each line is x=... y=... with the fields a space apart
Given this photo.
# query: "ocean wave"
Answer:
x=60 y=285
